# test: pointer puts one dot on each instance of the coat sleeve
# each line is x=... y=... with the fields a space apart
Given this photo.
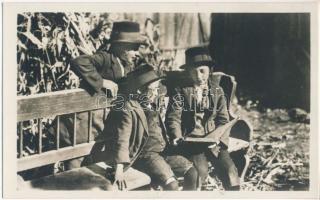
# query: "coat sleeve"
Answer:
x=120 y=128
x=173 y=115
x=88 y=66
x=222 y=116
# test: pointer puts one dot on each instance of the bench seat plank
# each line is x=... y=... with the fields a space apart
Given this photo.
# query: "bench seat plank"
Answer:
x=85 y=178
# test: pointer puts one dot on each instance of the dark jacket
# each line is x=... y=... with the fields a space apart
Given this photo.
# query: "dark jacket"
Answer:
x=180 y=116
x=94 y=68
x=126 y=133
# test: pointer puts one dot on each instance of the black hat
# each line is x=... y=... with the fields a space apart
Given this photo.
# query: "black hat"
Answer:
x=197 y=56
x=127 y=32
x=138 y=78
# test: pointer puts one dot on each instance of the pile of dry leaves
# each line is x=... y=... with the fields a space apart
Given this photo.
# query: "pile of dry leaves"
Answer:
x=280 y=149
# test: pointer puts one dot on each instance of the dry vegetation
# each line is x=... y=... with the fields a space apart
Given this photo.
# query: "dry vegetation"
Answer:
x=280 y=149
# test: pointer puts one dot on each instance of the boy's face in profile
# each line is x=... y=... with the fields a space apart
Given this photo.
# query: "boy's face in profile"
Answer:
x=200 y=74
x=151 y=91
x=127 y=52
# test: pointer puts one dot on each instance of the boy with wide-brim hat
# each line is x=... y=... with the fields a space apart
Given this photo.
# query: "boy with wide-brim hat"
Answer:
x=101 y=72
x=197 y=111
x=105 y=68
x=136 y=134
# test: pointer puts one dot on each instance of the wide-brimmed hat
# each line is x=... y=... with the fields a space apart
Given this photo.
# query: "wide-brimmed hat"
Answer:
x=197 y=56
x=142 y=76
x=127 y=32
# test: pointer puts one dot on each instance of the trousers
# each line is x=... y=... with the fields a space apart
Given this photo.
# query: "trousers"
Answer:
x=223 y=164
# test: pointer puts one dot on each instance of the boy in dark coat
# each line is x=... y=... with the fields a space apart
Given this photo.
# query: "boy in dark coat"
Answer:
x=136 y=135
x=100 y=72
x=197 y=111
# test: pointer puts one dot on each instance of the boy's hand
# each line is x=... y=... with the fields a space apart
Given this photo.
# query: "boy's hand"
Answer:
x=119 y=177
x=112 y=86
x=177 y=141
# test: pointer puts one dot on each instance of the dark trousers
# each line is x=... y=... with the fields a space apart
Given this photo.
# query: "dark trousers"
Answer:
x=223 y=164
x=226 y=169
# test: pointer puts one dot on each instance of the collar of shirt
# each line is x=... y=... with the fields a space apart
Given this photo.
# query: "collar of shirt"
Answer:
x=199 y=91
x=149 y=106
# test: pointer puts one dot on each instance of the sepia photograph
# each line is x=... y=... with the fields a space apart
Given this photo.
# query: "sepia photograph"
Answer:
x=155 y=101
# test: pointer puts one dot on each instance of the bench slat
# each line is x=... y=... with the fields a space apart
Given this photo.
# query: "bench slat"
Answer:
x=20 y=140
x=85 y=178
x=59 y=103
x=39 y=136
x=53 y=156
x=58 y=133
x=74 y=129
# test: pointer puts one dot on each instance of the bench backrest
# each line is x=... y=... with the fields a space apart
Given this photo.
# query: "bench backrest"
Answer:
x=55 y=104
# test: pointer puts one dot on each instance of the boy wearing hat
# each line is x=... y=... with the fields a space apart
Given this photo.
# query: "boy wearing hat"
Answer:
x=105 y=68
x=136 y=135
x=197 y=111
x=100 y=71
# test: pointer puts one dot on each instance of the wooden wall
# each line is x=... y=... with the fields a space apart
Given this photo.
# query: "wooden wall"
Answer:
x=268 y=53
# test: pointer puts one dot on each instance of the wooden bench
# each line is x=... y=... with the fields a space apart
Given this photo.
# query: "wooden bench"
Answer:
x=76 y=101
x=57 y=104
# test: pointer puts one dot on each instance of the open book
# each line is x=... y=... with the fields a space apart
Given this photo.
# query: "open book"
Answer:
x=214 y=136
